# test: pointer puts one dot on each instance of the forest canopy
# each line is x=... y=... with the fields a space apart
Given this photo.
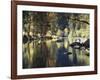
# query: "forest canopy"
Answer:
x=53 y=23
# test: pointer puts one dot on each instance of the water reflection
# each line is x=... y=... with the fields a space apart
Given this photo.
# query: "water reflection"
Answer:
x=49 y=53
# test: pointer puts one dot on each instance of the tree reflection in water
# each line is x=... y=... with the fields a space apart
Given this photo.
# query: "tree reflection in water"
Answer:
x=48 y=53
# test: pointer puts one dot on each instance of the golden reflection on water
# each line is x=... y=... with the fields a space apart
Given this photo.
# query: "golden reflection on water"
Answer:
x=50 y=53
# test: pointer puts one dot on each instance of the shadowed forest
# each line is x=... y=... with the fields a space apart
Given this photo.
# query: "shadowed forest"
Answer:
x=52 y=39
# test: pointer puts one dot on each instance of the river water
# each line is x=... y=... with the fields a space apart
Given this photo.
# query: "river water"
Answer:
x=52 y=53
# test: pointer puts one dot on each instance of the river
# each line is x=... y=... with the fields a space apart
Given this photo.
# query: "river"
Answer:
x=52 y=53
